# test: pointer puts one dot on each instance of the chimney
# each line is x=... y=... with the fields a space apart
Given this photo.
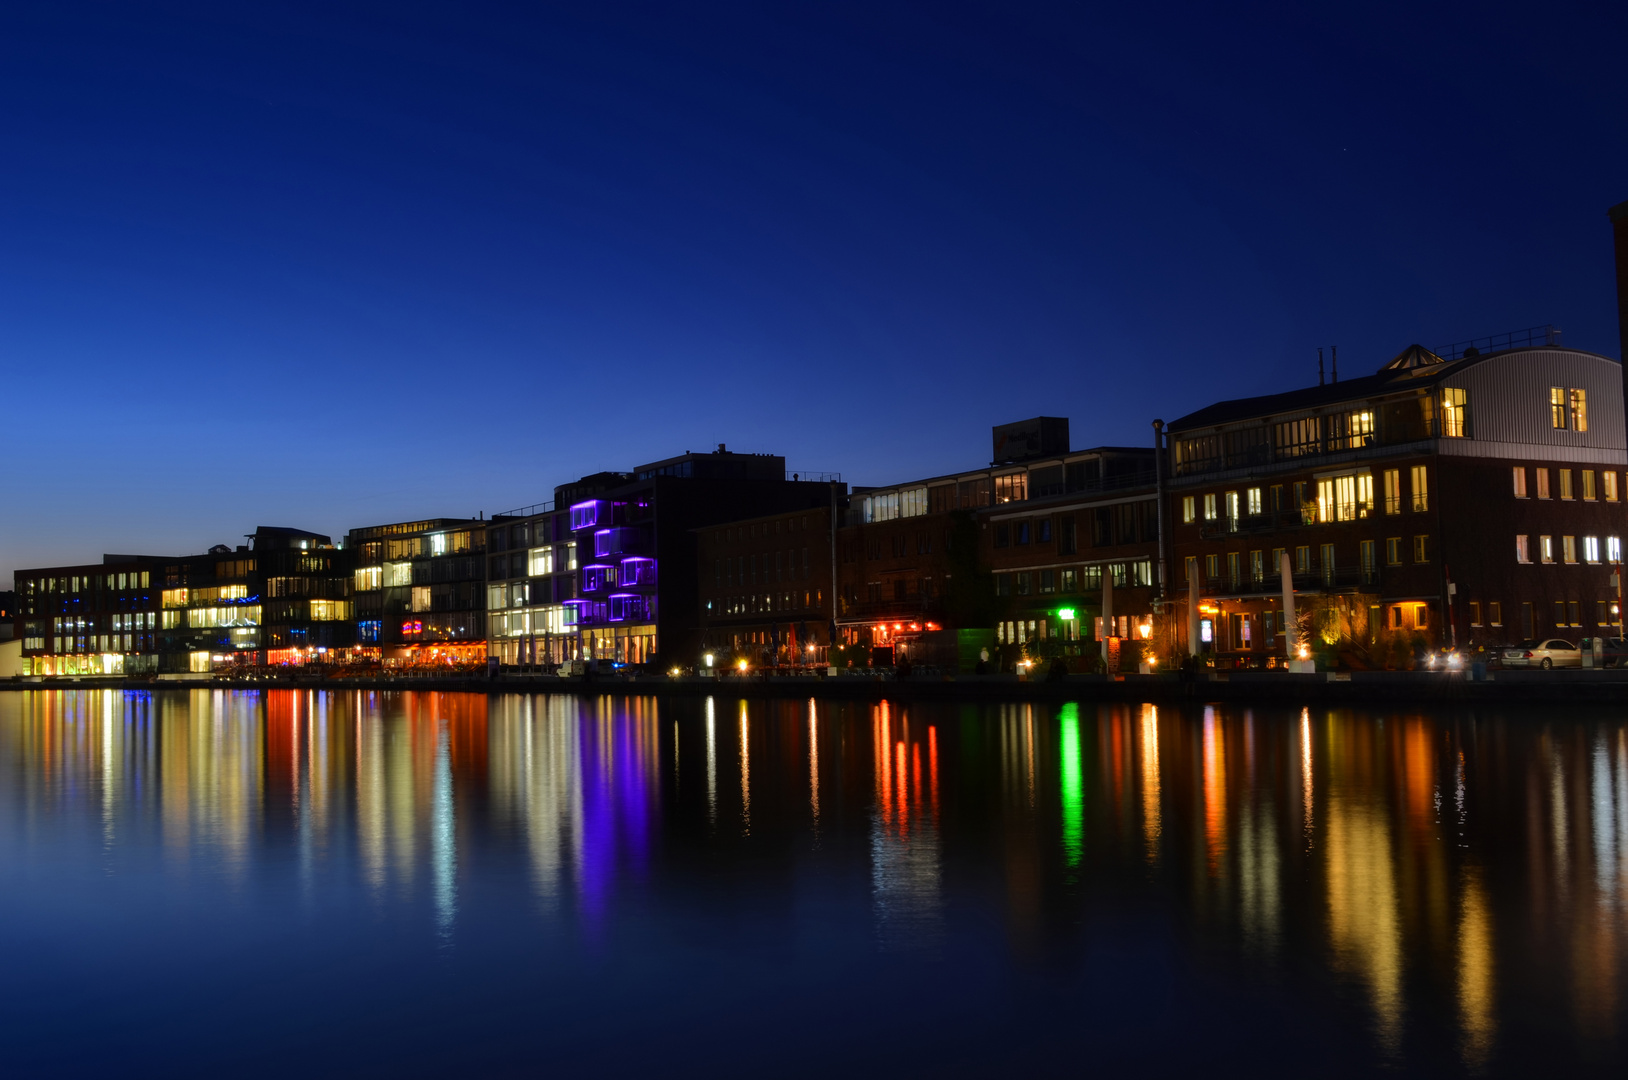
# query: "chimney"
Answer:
x=1619 y=227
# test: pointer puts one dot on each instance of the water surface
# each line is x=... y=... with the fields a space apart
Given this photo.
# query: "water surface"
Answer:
x=408 y=884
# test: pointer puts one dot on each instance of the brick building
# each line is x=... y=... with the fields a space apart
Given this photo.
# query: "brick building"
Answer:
x=765 y=589
x=1466 y=499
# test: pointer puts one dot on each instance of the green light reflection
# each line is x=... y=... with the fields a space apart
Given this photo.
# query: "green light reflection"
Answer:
x=1073 y=785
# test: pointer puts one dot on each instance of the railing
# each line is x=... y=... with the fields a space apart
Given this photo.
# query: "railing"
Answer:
x=1514 y=339
x=814 y=477
x=527 y=511
x=913 y=608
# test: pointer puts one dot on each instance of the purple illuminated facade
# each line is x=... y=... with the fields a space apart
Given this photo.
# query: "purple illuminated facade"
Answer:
x=637 y=596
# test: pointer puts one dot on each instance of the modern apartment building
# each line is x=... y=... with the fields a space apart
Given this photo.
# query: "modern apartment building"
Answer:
x=420 y=591
x=1473 y=497
x=531 y=559
x=282 y=598
x=637 y=595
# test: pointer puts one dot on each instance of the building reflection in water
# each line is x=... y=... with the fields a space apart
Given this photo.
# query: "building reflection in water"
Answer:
x=1458 y=866
x=906 y=864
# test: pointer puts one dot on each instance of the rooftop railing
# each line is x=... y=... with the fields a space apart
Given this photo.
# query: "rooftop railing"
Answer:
x=1514 y=339
x=526 y=511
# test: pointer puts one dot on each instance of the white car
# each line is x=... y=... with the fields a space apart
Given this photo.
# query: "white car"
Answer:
x=1551 y=653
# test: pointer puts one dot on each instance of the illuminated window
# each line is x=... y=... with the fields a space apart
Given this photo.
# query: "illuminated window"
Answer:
x=1546 y=549
x=1232 y=569
x=1232 y=511
x=1568 y=548
x=1608 y=480
x=1393 y=491
x=1557 y=408
x=174 y=598
x=1579 y=410
x=1588 y=485
x=1520 y=481
x=330 y=610
x=1565 y=483
x=1591 y=549
x=1325 y=500
x=1189 y=509
x=421 y=598
x=1453 y=413
x=1421 y=488
x=881 y=507
x=398 y=574
x=1543 y=482
x=1522 y=555
x=1613 y=549
x=1254 y=500
x=913 y=502
x=1210 y=513
x=1013 y=488
x=540 y=561
x=369 y=578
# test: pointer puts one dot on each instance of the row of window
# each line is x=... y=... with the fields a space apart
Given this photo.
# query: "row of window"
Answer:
x=746 y=569
x=1259 y=568
x=806 y=600
x=1564 y=486
x=74 y=583
x=1138 y=573
x=1332 y=498
x=1568 y=549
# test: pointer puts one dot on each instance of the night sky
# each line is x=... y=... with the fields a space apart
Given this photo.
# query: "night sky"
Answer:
x=281 y=267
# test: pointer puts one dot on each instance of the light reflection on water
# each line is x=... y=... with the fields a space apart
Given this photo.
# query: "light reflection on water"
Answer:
x=1430 y=892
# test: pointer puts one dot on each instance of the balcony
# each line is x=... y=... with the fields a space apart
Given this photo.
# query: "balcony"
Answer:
x=1339 y=580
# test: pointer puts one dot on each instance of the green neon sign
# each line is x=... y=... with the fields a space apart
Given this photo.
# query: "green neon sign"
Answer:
x=1065 y=613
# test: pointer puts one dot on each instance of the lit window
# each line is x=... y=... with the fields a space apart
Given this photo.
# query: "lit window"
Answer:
x=1613 y=549
x=1232 y=511
x=540 y=561
x=1568 y=548
x=1254 y=500
x=1365 y=494
x=1565 y=483
x=1453 y=413
x=1608 y=480
x=1520 y=481
x=1579 y=410
x=1393 y=491
x=1546 y=549
x=1543 y=482
x=1421 y=488
x=1588 y=485
x=1189 y=509
x=1421 y=549
x=1522 y=555
x=1557 y=408
x=1209 y=507
x=1591 y=549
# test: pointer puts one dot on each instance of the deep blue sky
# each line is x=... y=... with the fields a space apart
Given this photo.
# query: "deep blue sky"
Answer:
x=286 y=267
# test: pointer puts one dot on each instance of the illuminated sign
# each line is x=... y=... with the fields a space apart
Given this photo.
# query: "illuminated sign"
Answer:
x=1206 y=630
x=1065 y=613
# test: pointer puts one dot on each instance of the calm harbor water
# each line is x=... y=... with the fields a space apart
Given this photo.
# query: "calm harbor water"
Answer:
x=258 y=882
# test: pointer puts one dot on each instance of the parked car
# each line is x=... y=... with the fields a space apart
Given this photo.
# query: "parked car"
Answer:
x=1545 y=654
x=1613 y=651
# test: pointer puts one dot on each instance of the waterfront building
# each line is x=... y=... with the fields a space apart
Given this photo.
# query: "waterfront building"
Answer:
x=96 y=619
x=1465 y=498
x=765 y=588
x=531 y=573
x=1005 y=561
x=282 y=598
x=1075 y=563
x=420 y=591
x=637 y=595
